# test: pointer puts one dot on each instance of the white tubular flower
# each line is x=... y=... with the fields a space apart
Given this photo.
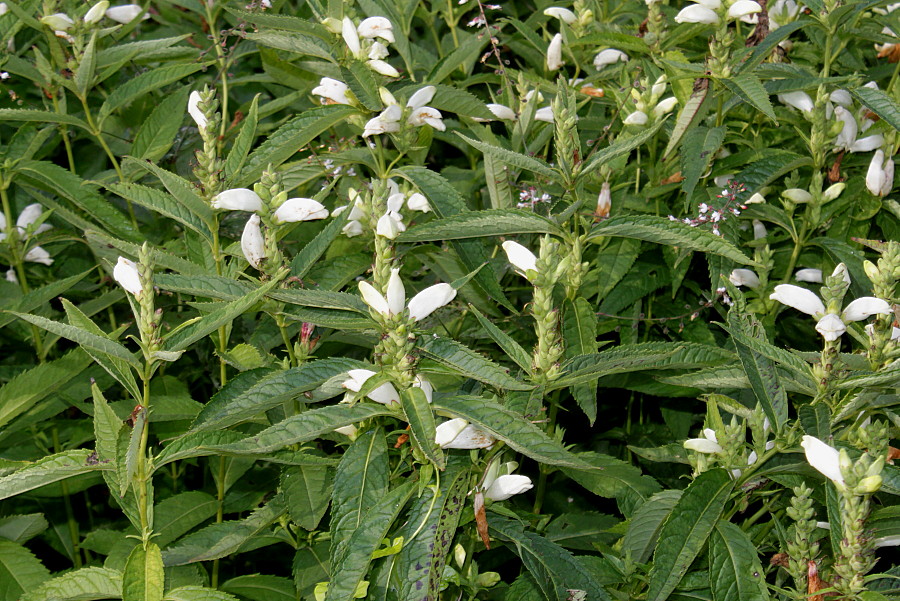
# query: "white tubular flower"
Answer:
x=385 y=394
x=697 y=13
x=708 y=444
x=636 y=118
x=744 y=277
x=506 y=486
x=378 y=51
x=376 y=27
x=847 y=138
x=58 y=21
x=237 y=199
x=799 y=298
x=824 y=458
x=426 y=387
x=759 y=230
x=96 y=13
x=833 y=191
x=350 y=430
x=426 y=302
x=418 y=202
x=421 y=97
x=659 y=87
x=395 y=201
x=383 y=68
x=521 y=258
x=29 y=215
x=390 y=225
x=831 y=327
x=388 y=121
x=332 y=91
x=554 y=53
x=710 y=4
x=842 y=98
x=427 y=116
x=841 y=270
x=502 y=112
x=125 y=13
x=3 y=10
x=665 y=106
x=544 y=114
x=798 y=100
x=468 y=438
x=563 y=14
x=194 y=110
x=374 y=299
x=610 y=56
x=880 y=176
x=864 y=307
x=351 y=37
x=447 y=431
x=38 y=255
x=757 y=198
x=128 y=277
x=396 y=293
x=797 y=195
x=11 y=276
x=743 y=8
x=252 y=242
x=604 y=201
x=352 y=228
x=809 y=274
x=300 y=209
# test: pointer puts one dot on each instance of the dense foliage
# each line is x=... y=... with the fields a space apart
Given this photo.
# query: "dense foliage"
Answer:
x=427 y=300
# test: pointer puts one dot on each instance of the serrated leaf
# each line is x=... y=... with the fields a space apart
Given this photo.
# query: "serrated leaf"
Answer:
x=619 y=148
x=688 y=115
x=673 y=233
x=421 y=424
x=144 y=83
x=307 y=490
x=102 y=243
x=176 y=515
x=645 y=524
x=20 y=571
x=512 y=348
x=292 y=42
x=21 y=528
x=586 y=368
x=24 y=391
x=685 y=532
x=609 y=477
x=225 y=538
x=79 y=585
x=161 y=203
x=157 y=133
x=359 y=78
x=143 y=578
x=734 y=568
x=466 y=362
x=749 y=89
x=259 y=587
x=84 y=74
x=41 y=117
x=459 y=101
x=197 y=593
x=477 y=224
x=132 y=456
x=243 y=142
x=514 y=159
x=180 y=189
x=697 y=151
x=310 y=254
x=107 y=427
x=82 y=337
x=879 y=103
x=579 y=329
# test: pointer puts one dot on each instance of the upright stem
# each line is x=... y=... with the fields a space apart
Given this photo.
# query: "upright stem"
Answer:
x=64 y=132
x=141 y=476
x=70 y=515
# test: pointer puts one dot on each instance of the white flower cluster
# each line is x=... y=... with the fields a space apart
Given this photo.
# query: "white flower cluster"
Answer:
x=418 y=114
x=650 y=103
x=61 y=23
x=362 y=41
x=28 y=216
x=389 y=225
x=711 y=11
x=394 y=302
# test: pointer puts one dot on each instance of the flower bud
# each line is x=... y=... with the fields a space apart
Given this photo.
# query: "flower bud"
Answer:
x=824 y=458
x=332 y=25
x=58 y=21
x=300 y=209
x=96 y=13
x=128 y=276
x=563 y=14
x=610 y=56
x=252 y=242
x=194 y=110
x=554 y=53
x=868 y=485
x=126 y=13
x=797 y=195
x=521 y=258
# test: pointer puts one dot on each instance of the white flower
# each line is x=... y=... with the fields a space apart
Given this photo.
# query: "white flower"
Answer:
x=395 y=201
x=447 y=431
x=58 y=21
x=554 y=53
x=126 y=13
x=847 y=138
x=383 y=68
x=610 y=56
x=425 y=386
x=457 y=433
x=841 y=97
x=797 y=195
x=697 y=13
x=880 y=176
x=421 y=97
x=390 y=225
x=759 y=230
x=388 y=121
x=38 y=255
x=636 y=118
x=428 y=300
x=352 y=228
x=544 y=114
x=824 y=458
x=744 y=277
x=194 y=110
x=385 y=394
x=350 y=35
x=378 y=51
x=350 y=431
x=332 y=90
x=3 y=10
x=757 y=198
x=300 y=209
x=708 y=444
x=831 y=327
x=420 y=306
x=418 y=202
x=502 y=112
x=833 y=191
x=799 y=100
x=799 y=298
x=665 y=106
x=426 y=116
x=864 y=307
x=521 y=258
x=742 y=8
x=10 y=273
x=252 y=242
x=127 y=275
x=237 y=199
x=95 y=14
x=563 y=14
x=376 y=27
x=374 y=299
x=29 y=215
x=809 y=274
x=604 y=201
x=506 y=486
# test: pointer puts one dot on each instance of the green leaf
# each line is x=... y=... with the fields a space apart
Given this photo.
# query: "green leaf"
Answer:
x=512 y=348
x=645 y=524
x=42 y=117
x=467 y=52
x=144 y=83
x=514 y=159
x=157 y=133
x=688 y=116
x=615 y=261
x=162 y=203
x=734 y=568
x=179 y=188
x=79 y=585
x=258 y=587
x=879 y=103
x=672 y=233
x=306 y=259
x=360 y=482
x=107 y=427
x=23 y=392
x=609 y=477
x=749 y=89
x=618 y=148
x=20 y=571
x=292 y=42
x=685 y=532
x=697 y=151
x=587 y=368
x=359 y=78
x=106 y=246
x=424 y=556
x=182 y=337
x=84 y=74
x=511 y=428
x=243 y=142
x=349 y=566
x=143 y=578
x=557 y=572
x=83 y=337
x=421 y=424
x=459 y=101
x=225 y=538
x=22 y=528
x=477 y=224
x=284 y=142
x=128 y=469
x=176 y=515
x=579 y=329
x=307 y=490
x=197 y=593
x=466 y=362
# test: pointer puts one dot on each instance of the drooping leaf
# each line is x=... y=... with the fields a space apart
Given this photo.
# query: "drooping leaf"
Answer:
x=514 y=159
x=157 y=133
x=83 y=337
x=488 y=223
x=734 y=568
x=466 y=362
x=421 y=424
x=20 y=571
x=143 y=578
x=79 y=585
x=47 y=470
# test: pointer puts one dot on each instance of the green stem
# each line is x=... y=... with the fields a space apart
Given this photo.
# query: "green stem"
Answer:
x=141 y=475
x=67 y=501
x=222 y=61
x=220 y=512
x=64 y=132
x=795 y=254
x=545 y=470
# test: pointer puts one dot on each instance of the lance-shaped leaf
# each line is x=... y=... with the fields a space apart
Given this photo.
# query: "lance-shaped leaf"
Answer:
x=143 y=578
x=734 y=568
x=49 y=469
x=421 y=424
x=477 y=224
x=86 y=583
x=144 y=83
x=587 y=368
x=619 y=148
x=512 y=348
x=514 y=159
x=83 y=337
x=158 y=131
x=20 y=571
x=176 y=515
x=197 y=593
x=879 y=103
x=464 y=361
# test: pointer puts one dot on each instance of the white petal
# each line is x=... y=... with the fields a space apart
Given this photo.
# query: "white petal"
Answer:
x=665 y=106
x=831 y=327
x=842 y=98
x=563 y=14
x=351 y=37
x=470 y=437
x=38 y=255
x=521 y=258
x=127 y=275
x=425 y=115
x=809 y=274
x=799 y=298
x=427 y=301
x=554 y=53
x=702 y=445
x=823 y=457
x=396 y=293
x=422 y=97
x=395 y=202
x=383 y=68
x=252 y=242
x=418 y=202
x=447 y=431
x=300 y=209
x=799 y=100
x=636 y=118
x=29 y=215
x=389 y=225
x=868 y=143
x=96 y=12
x=798 y=195
x=506 y=486
x=849 y=129
x=194 y=110
x=58 y=21
x=378 y=27
x=696 y=13
x=125 y=13
x=333 y=90
x=742 y=8
x=544 y=114
x=378 y=51
x=864 y=307
x=238 y=199
x=875 y=174
x=759 y=230
x=385 y=394
x=426 y=387
x=353 y=228
x=744 y=277
x=373 y=298
x=608 y=57
x=502 y=112
x=357 y=377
